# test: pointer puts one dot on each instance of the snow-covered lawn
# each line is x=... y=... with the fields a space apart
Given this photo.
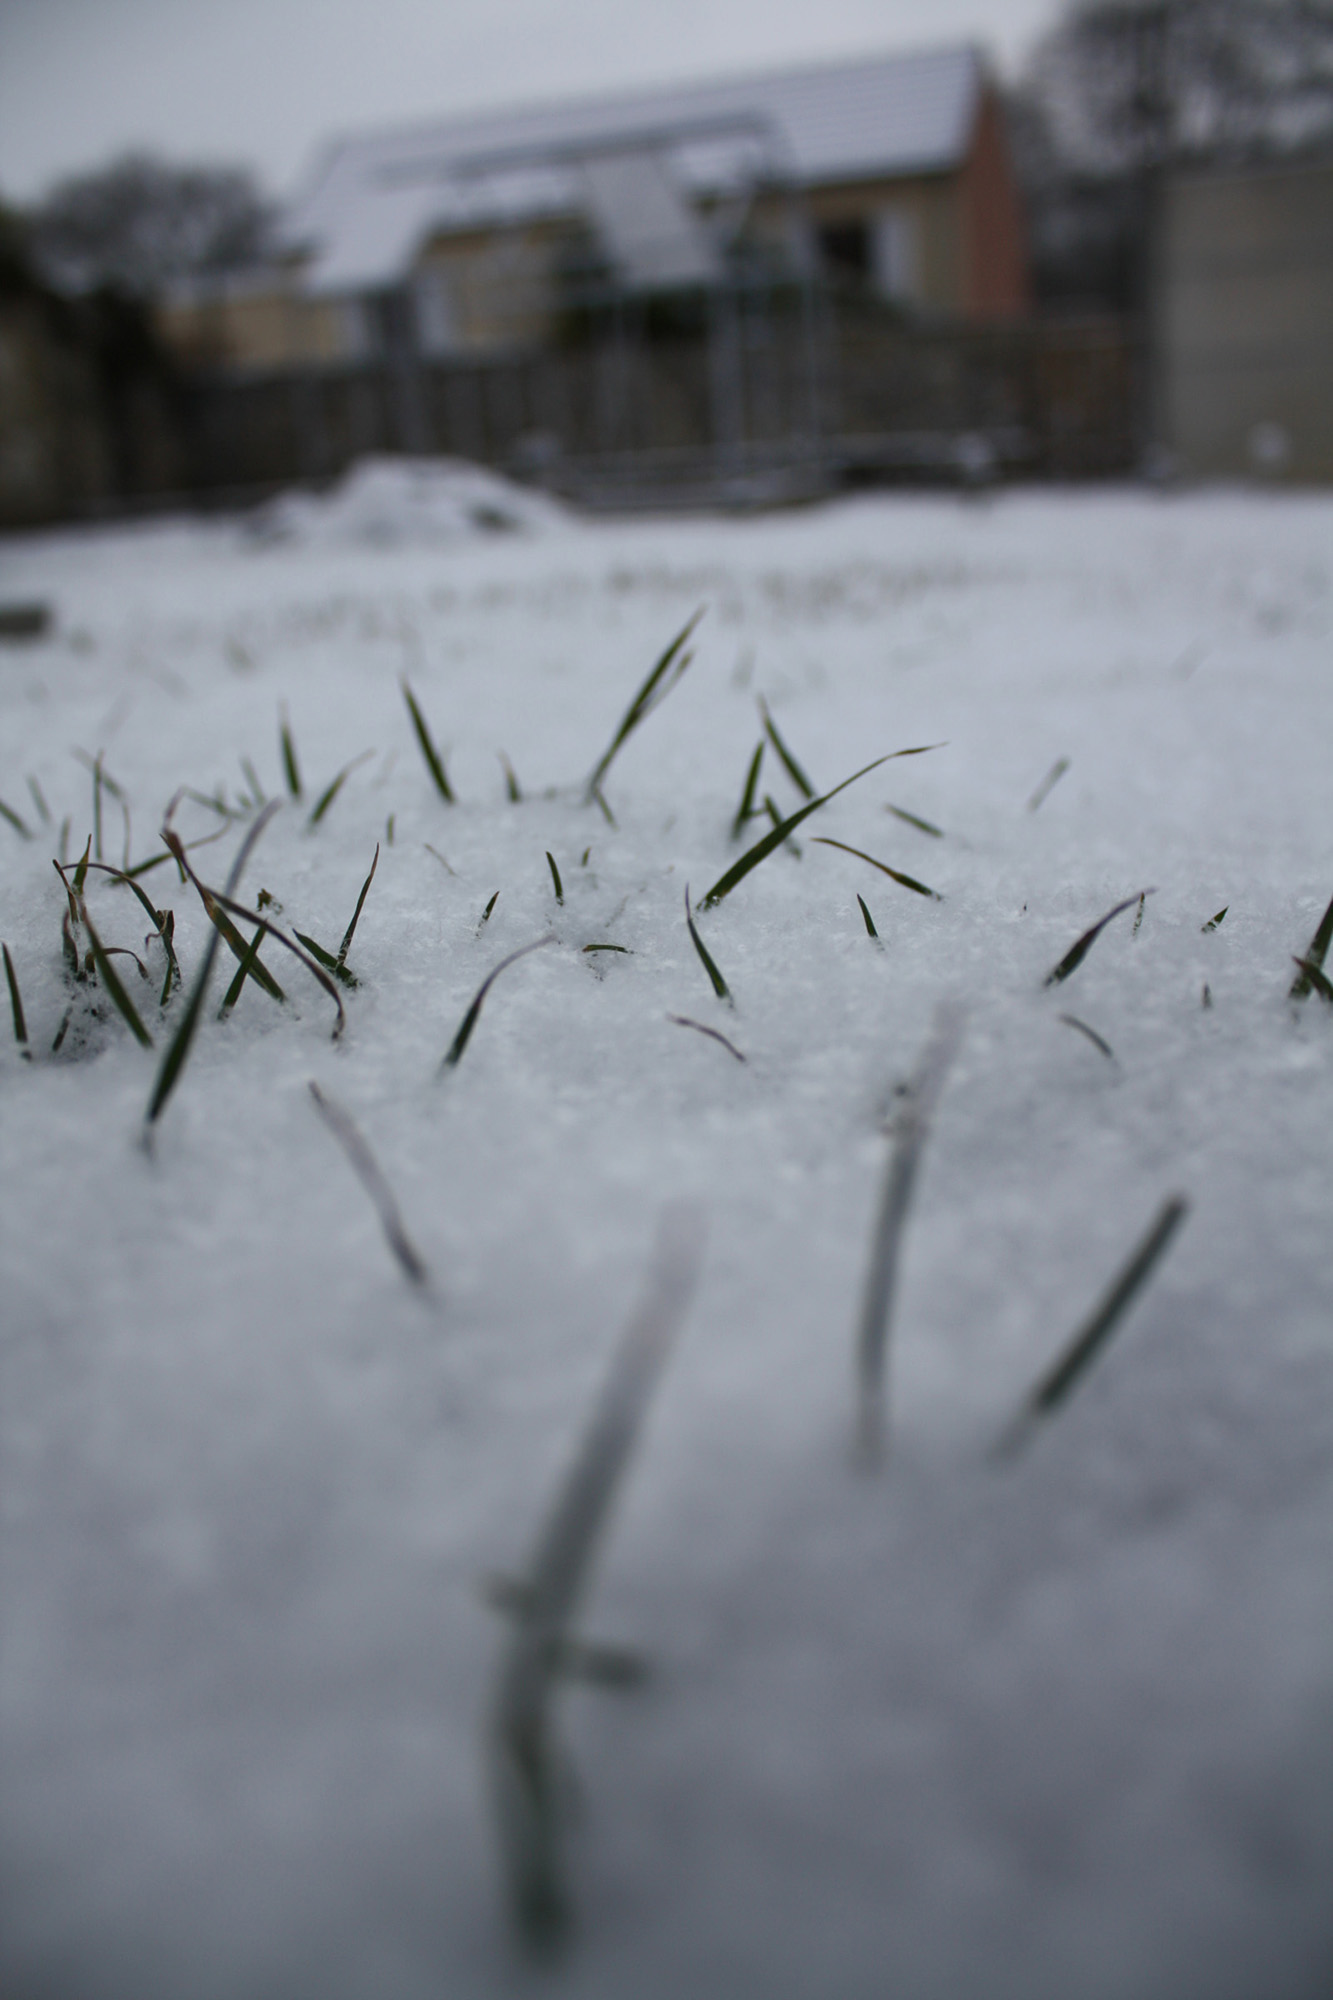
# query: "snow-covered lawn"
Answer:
x=1055 y=1726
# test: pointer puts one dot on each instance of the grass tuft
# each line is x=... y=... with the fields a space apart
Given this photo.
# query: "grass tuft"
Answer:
x=1302 y=985
x=775 y=837
x=173 y=1062
x=720 y=987
x=1063 y=1377
x=367 y=1170
x=663 y=677
x=16 y=1005
x=1079 y=950
x=473 y=1014
x=527 y=1794
x=1314 y=980
x=907 y=881
x=434 y=763
x=911 y=1128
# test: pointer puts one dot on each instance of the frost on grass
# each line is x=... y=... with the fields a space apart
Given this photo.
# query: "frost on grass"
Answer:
x=960 y=1728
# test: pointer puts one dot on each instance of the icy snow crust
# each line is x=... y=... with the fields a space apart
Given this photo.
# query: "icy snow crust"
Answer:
x=1055 y=1728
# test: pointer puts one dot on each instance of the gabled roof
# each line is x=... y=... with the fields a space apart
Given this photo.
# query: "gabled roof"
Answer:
x=373 y=200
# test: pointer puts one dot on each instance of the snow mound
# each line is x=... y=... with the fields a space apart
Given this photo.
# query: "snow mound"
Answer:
x=395 y=503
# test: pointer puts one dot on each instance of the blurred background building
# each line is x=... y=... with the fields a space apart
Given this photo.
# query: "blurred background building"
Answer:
x=744 y=290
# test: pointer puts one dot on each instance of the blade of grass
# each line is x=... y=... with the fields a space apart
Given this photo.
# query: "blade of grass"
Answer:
x=1314 y=979
x=622 y=948
x=350 y=932
x=440 y=858
x=1079 y=950
x=326 y=959
x=555 y=877
x=650 y=696
x=713 y=1034
x=1067 y=1371
x=907 y=881
x=745 y=811
x=1315 y=956
x=911 y=819
x=870 y=921
x=38 y=799
x=775 y=837
x=428 y=750
x=1072 y=1021
x=16 y=1005
x=367 y=1170
x=1138 y=917
x=173 y=1062
x=291 y=770
x=526 y=1792
x=251 y=777
x=512 y=791
x=469 y=1020
x=330 y=793
x=243 y=971
x=16 y=820
x=792 y=768
x=1213 y=922
x=1048 y=783
x=912 y=1126
x=116 y=993
x=720 y=987
x=486 y=913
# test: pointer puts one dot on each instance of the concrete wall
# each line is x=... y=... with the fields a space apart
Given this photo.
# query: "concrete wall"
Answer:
x=1243 y=333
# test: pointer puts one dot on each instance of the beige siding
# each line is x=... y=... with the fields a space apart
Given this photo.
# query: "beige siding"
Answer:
x=1245 y=323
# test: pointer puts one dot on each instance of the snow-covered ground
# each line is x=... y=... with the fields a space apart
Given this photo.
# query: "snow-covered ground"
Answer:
x=1060 y=1726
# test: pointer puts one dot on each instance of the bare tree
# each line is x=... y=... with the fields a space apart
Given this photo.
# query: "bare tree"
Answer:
x=139 y=223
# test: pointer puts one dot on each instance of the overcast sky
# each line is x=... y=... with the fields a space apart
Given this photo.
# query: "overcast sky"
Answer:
x=265 y=81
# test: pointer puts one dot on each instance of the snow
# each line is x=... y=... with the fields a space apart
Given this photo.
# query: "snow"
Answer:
x=1054 y=1727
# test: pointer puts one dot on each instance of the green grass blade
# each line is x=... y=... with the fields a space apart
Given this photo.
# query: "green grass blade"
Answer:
x=912 y=1125
x=555 y=877
x=527 y=1795
x=428 y=750
x=116 y=993
x=1315 y=956
x=713 y=1034
x=244 y=970
x=911 y=819
x=1314 y=980
x=330 y=793
x=81 y=872
x=486 y=913
x=1072 y=1021
x=326 y=959
x=792 y=768
x=512 y=790
x=290 y=768
x=473 y=1014
x=350 y=932
x=173 y=1062
x=39 y=800
x=251 y=777
x=763 y=848
x=237 y=945
x=16 y=1004
x=367 y=1170
x=1079 y=950
x=745 y=811
x=906 y=881
x=622 y=948
x=1048 y=783
x=870 y=921
x=1213 y=922
x=650 y=696
x=720 y=987
x=1067 y=1371
x=16 y=820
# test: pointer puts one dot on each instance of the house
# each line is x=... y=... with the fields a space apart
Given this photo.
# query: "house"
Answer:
x=473 y=237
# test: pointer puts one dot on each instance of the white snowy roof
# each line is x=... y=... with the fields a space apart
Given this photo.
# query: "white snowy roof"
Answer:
x=372 y=201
